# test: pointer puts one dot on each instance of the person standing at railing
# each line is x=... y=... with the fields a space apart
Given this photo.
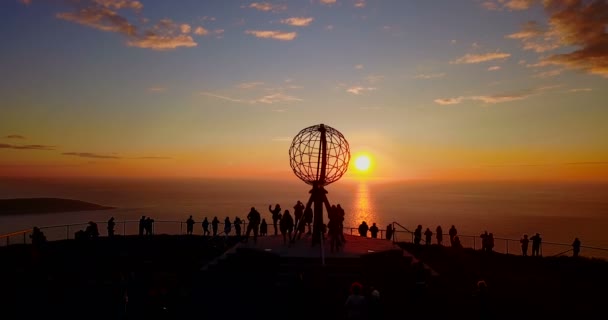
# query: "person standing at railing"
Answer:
x=308 y=219
x=298 y=212
x=214 y=224
x=363 y=228
x=149 y=226
x=110 y=226
x=484 y=241
x=142 y=225
x=253 y=225
x=205 y=225
x=536 y=241
x=276 y=216
x=263 y=228
x=524 y=245
x=286 y=226
x=439 y=235
x=237 y=226
x=389 y=232
x=227 y=226
x=428 y=234
x=418 y=235
x=341 y=214
x=189 y=225
x=490 y=242
x=374 y=230
x=576 y=247
x=453 y=233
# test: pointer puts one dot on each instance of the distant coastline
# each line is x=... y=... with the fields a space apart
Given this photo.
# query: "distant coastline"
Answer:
x=20 y=206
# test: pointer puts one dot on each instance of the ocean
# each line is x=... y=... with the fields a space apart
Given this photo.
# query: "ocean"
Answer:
x=558 y=211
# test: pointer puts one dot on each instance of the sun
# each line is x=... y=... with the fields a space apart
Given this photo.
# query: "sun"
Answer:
x=362 y=163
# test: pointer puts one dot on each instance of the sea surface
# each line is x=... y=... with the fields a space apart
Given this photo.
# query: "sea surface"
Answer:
x=558 y=211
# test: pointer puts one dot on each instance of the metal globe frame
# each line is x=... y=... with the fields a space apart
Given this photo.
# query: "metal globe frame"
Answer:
x=319 y=155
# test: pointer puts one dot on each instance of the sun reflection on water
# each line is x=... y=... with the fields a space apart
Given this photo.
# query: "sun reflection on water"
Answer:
x=362 y=206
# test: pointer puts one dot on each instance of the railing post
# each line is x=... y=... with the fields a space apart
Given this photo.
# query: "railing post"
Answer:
x=181 y=226
x=381 y=236
x=474 y=243
x=67 y=232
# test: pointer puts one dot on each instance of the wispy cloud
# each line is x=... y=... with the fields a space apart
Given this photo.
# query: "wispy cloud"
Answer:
x=580 y=90
x=107 y=15
x=273 y=34
x=223 y=97
x=549 y=74
x=357 y=90
x=15 y=136
x=515 y=5
x=427 y=76
x=494 y=68
x=374 y=78
x=496 y=98
x=535 y=38
x=267 y=7
x=272 y=98
x=90 y=155
x=478 y=58
x=26 y=147
x=360 y=4
x=157 y=89
x=359 y=67
x=298 y=21
x=327 y=2
x=250 y=85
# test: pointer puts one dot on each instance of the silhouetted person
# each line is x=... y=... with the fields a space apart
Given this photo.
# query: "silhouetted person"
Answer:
x=340 y=213
x=149 y=226
x=92 y=231
x=481 y=294
x=524 y=245
x=227 y=226
x=308 y=218
x=418 y=235
x=237 y=226
x=456 y=242
x=363 y=228
x=214 y=224
x=263 y=228
x=334 y=232
x=484 y=241
x=374 y=230
x=298 y=213
x=254 y=224
x=374 y=307
x=111 y=225
x=428 y=235
x=205 y=225
x=536 y=240
x=490 y=242
x=389 y=232
x=576 y=247
x=142 y=225
x=355 y=303
x=38 y=238
x=276 y=216
x=301 y=228
x=439 y=235
x=286 y=225
x=452 y=233
x=189 y=225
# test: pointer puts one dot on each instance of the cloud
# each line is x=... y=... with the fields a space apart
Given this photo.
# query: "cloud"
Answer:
x=276 y=98
x=374 y=78
x=15 y=136
x=153 y=158
x=514 y=5
x=535 y=38
x=329 y=27
x=496 y=98
x=580 y=90
x=427 y=76
x=327 y=2
x=185 y=28
x=157 y=89
x=265 y=6
x=478 y=58
x=360 y=4
x=359 y=67
x=26 y=147
x=494 y=68
x=580 y=24
x=357 y=90
x=200 y=31
x=90 y=155
x=269 y=34
x=221 y=97
x=449 y=101
x=249 y=85
x=549 y=74
x=489 y=5
x=106 y=15
x=298 y=21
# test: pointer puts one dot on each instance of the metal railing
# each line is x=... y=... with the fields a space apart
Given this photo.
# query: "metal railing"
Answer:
x=399 y=234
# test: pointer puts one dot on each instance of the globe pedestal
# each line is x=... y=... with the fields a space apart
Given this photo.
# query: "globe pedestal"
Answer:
x=318 y=198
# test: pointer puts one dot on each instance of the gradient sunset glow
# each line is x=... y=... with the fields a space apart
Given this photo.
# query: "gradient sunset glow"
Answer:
x=442 y=90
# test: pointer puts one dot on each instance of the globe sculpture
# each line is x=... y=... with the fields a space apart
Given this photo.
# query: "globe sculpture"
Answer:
x=319 y=155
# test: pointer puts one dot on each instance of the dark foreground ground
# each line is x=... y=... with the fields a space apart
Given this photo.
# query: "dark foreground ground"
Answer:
x=160 y=278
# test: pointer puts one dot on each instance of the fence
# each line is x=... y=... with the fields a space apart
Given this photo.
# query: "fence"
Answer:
x=400 y=234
